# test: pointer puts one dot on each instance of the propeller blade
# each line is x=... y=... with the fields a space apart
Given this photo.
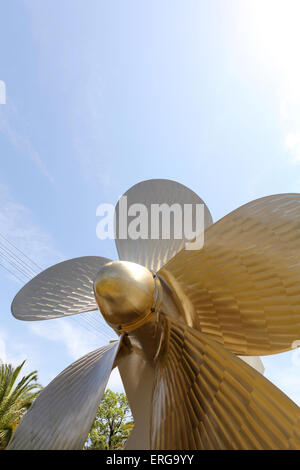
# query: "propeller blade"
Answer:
x=62 y=415
x=137 y=376
x=244 y=284
x=205 y=397
x=152 y=253
x=63 y=289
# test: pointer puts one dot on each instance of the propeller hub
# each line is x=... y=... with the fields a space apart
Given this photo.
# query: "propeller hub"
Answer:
x=126 y=294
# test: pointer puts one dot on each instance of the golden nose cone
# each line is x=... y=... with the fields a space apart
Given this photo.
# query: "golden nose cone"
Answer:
x=125 y=292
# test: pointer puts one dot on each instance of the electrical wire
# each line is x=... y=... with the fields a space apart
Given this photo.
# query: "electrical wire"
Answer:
x=14 y=264
x=8 y=252
x=23 y=272
x=3 y=266
x=27 y=257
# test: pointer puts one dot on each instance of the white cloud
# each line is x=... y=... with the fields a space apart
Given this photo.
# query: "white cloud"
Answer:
x=284 y=372
x=15 y=352
x=13 y=127
x=77 y=340
x=2 y=350
x=18 y=226
x=290 y=120
x=292 y=143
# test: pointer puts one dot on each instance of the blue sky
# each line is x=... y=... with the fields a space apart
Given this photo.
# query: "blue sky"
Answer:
x=101 y=95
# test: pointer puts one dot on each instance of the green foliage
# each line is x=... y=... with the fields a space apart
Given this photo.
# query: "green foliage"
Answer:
x=113 y=423
x=15 y=398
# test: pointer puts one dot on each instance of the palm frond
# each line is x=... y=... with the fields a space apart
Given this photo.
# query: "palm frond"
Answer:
x=15 y=398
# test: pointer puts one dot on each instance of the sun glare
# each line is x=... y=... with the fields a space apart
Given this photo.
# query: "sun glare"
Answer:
x=274 y=31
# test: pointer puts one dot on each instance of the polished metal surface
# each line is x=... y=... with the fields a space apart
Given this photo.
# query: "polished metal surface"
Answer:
x=149 y=252
x=63 y=289
x=126 y=294
x=245 y=283
x=62 y=415
x=207 y=398
x=137 y=375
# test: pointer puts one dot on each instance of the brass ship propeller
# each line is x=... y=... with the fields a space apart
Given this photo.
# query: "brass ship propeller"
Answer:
x=186 y=319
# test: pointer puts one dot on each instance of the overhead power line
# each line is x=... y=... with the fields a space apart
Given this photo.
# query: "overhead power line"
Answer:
x=20 y=251
x=17 y=259
x=11 y=272
x=16 y=262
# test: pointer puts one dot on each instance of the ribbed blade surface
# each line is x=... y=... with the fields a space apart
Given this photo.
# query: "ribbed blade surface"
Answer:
x=63 y=413
x=63 y=289
x=154 y=253
x=245 y=282
x=207 y=398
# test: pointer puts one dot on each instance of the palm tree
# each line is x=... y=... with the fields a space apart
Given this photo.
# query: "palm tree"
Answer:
x=15 y=399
